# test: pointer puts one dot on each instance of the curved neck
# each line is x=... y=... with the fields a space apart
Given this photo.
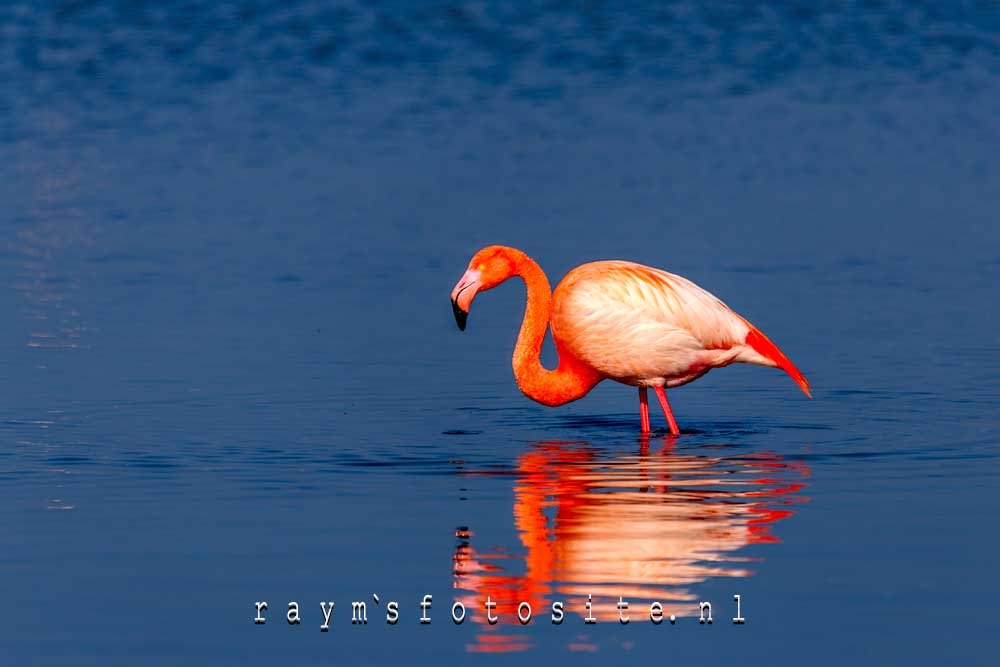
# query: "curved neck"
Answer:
x=571 y=379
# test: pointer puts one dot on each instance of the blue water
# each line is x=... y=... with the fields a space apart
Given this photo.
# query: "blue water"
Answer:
x=232 y=374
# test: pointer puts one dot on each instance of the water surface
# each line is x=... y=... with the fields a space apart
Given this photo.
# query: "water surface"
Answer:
x=233 y=375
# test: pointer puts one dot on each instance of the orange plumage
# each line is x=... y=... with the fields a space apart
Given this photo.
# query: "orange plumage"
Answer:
x=620 y=321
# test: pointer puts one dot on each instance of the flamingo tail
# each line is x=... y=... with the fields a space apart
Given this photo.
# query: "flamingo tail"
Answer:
x=764 y=347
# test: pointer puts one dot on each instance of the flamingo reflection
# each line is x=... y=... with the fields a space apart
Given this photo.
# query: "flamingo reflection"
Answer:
x=647 y=527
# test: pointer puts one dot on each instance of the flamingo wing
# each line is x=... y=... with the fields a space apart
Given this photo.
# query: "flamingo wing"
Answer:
x=646 y=326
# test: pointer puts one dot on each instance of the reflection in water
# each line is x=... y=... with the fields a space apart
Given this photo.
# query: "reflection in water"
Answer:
x=648 y=527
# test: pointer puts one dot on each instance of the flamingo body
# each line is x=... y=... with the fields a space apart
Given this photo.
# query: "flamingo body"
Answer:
x=620 y=321
x=647 y=327
x=642 y=326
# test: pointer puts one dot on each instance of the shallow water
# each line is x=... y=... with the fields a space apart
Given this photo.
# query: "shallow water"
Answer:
x=233 y=375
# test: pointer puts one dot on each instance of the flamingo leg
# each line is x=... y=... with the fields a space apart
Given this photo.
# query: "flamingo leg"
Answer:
x=667 y=412
x=644 y=409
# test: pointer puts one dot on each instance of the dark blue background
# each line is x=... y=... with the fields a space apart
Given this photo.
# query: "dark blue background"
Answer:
x=231 y=372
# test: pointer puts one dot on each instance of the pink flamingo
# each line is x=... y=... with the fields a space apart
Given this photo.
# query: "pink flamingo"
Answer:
x=620 y=321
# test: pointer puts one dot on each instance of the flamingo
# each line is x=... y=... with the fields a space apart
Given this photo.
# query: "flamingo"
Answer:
x=621 y=321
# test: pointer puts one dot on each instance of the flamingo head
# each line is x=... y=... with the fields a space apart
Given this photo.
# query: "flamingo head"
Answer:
x=488 y=268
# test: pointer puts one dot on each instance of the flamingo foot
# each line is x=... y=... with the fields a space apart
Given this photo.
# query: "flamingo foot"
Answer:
x=667 y=412
x=644 y=409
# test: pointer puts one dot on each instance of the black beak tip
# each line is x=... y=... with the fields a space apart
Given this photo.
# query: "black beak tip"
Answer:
x=460 y=315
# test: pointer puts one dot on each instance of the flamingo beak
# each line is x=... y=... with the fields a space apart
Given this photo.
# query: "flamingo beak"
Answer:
x=462 y=296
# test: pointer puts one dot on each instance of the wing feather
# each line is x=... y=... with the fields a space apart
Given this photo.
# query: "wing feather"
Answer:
x=676 y=302
x=637 y=324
